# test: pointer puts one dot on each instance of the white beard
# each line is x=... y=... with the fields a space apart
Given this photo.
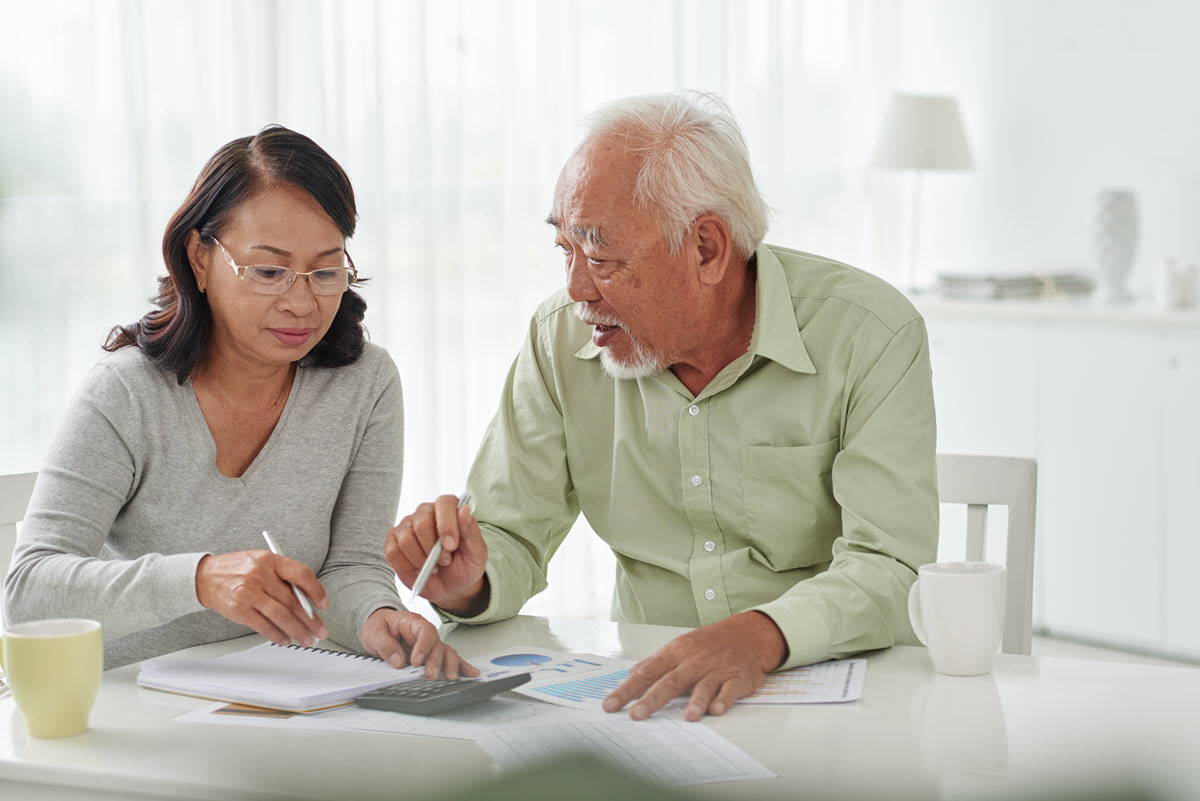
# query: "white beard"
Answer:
x=643 y=363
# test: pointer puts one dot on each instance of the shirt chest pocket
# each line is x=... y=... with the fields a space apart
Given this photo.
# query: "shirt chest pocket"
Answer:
x=787 y=497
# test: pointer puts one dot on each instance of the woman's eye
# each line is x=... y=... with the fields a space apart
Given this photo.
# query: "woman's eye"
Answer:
x=267 y=273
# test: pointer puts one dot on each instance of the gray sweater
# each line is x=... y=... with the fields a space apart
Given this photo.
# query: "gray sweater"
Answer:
x=129 y=500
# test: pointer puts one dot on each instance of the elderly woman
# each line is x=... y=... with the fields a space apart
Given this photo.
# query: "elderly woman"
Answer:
x=248 y=401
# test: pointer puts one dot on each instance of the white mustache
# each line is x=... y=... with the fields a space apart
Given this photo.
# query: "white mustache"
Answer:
x=592 y=318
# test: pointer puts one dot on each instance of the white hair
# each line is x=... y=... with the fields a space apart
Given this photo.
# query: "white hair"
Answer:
x=694 y=162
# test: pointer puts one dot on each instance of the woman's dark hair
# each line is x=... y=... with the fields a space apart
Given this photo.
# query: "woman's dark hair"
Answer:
x=174 y=335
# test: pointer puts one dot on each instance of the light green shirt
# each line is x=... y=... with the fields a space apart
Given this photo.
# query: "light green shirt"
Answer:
x=801 y=482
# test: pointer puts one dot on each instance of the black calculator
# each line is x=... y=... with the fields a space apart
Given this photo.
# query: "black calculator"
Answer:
x=434 y=696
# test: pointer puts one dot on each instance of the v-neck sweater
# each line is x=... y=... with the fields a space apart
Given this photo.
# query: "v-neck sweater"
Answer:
x=129 y=500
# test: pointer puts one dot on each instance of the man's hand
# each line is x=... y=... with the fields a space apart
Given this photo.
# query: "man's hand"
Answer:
x=719 y=663
x=254 y=588
x=457 y=583
x=394 y=635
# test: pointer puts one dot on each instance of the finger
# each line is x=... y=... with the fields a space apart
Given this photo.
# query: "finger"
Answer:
x=471 y=544
x=410 y=556
x=702 y=696
x=301 y=575
x=285 y=612
x=392 y=550
x=266 y=627
x=435 y=664
x=641 y=676
x=445 y=511
x=661 y=693
x=465 y=668
x=735 y=688
x=421 y=637
x=387 y=648
x=425 y=533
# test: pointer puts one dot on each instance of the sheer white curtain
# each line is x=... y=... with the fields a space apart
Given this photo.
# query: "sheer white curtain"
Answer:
x=452 y=119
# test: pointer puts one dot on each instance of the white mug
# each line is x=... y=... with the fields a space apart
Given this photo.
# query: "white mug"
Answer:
x=957 y=612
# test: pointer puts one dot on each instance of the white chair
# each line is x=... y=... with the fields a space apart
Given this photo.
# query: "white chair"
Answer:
x=15 y=490
x=983 y=481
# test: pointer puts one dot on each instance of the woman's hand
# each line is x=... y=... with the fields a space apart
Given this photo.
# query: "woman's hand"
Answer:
x=254 y=588
x=401 y=638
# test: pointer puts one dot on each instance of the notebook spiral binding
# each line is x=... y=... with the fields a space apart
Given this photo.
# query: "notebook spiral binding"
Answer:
x=295 y=647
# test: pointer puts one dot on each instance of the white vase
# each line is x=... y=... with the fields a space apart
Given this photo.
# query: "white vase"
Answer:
x=1114 y=242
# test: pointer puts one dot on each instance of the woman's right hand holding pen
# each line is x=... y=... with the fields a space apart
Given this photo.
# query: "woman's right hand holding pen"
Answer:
x=458 y=583
x=254 y=588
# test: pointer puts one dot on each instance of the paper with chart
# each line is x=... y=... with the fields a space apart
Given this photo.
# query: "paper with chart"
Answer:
x=583 y=681
x=823 y=683
x=578 y=681
x=661 y=749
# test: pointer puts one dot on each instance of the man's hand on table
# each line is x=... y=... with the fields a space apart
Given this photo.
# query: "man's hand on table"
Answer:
x=719 y=663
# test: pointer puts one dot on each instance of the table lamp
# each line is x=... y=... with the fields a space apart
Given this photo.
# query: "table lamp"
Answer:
x=921 y=132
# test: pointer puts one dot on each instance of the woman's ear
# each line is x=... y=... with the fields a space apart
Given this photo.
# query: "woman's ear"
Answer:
x=196 y=254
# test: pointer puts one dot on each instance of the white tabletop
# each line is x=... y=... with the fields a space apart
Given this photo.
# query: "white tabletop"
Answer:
x=1035 y=723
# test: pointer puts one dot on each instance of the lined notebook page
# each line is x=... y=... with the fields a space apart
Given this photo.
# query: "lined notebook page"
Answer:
x=290 y=677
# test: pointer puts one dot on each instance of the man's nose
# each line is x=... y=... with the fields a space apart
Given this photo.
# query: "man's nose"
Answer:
x=580 y=285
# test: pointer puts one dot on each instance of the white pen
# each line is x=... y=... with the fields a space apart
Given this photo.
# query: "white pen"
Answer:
x=435 y=554
x=300 y=596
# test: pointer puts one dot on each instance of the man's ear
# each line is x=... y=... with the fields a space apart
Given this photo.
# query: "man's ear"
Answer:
x=714 y=247
x=195 y=253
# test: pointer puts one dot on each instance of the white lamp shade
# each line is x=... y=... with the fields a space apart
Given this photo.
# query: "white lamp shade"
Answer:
x=922 y=132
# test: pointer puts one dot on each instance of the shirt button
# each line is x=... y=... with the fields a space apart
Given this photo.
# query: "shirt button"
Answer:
x=710 y=545
x=709 y=594
x=693 y=410
x=697 y=481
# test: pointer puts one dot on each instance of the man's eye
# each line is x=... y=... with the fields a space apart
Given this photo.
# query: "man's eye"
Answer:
x=593 y=260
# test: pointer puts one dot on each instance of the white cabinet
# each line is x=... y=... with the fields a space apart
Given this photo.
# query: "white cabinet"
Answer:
x=1180 y=365
x=1108 y=401
x=1098 y=470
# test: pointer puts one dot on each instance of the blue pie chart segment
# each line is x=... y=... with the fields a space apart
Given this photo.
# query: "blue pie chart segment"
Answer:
x=516 y=660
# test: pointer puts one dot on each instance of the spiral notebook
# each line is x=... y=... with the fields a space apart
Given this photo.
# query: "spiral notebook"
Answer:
x=287 y=677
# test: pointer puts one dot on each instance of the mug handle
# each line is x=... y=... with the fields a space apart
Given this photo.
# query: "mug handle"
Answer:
x=914 y=612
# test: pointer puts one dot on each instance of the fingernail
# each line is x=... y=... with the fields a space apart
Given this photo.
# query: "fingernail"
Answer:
x=396 y=661
x=323 y=633
x=610 y=705
x=694 y=712
x=445 y=560
x=451 y=544
x=638 y=712
x=718 y=708
x=418 y=658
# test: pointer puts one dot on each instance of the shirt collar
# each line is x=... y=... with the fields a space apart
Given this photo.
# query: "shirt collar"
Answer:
x=776 y=336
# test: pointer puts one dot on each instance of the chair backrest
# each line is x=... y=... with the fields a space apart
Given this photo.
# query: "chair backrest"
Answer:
x=983 y=481
x=15 y=490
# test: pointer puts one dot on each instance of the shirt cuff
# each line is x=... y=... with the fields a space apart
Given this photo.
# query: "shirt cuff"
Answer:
x=805 y=629
x=490 y=613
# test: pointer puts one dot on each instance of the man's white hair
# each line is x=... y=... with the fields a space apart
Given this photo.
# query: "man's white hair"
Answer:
x=694 y=162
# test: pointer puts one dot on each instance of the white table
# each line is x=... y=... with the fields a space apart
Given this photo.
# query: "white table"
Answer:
x=1034 y=725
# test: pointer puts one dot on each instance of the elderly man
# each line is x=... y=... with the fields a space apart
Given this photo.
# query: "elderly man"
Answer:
x=749 y=428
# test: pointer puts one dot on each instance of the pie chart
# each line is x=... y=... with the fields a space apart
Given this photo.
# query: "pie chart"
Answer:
x=517 y=660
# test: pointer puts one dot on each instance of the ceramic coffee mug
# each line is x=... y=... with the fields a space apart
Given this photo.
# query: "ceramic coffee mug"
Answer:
x=957 y=611
x=53 y=667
